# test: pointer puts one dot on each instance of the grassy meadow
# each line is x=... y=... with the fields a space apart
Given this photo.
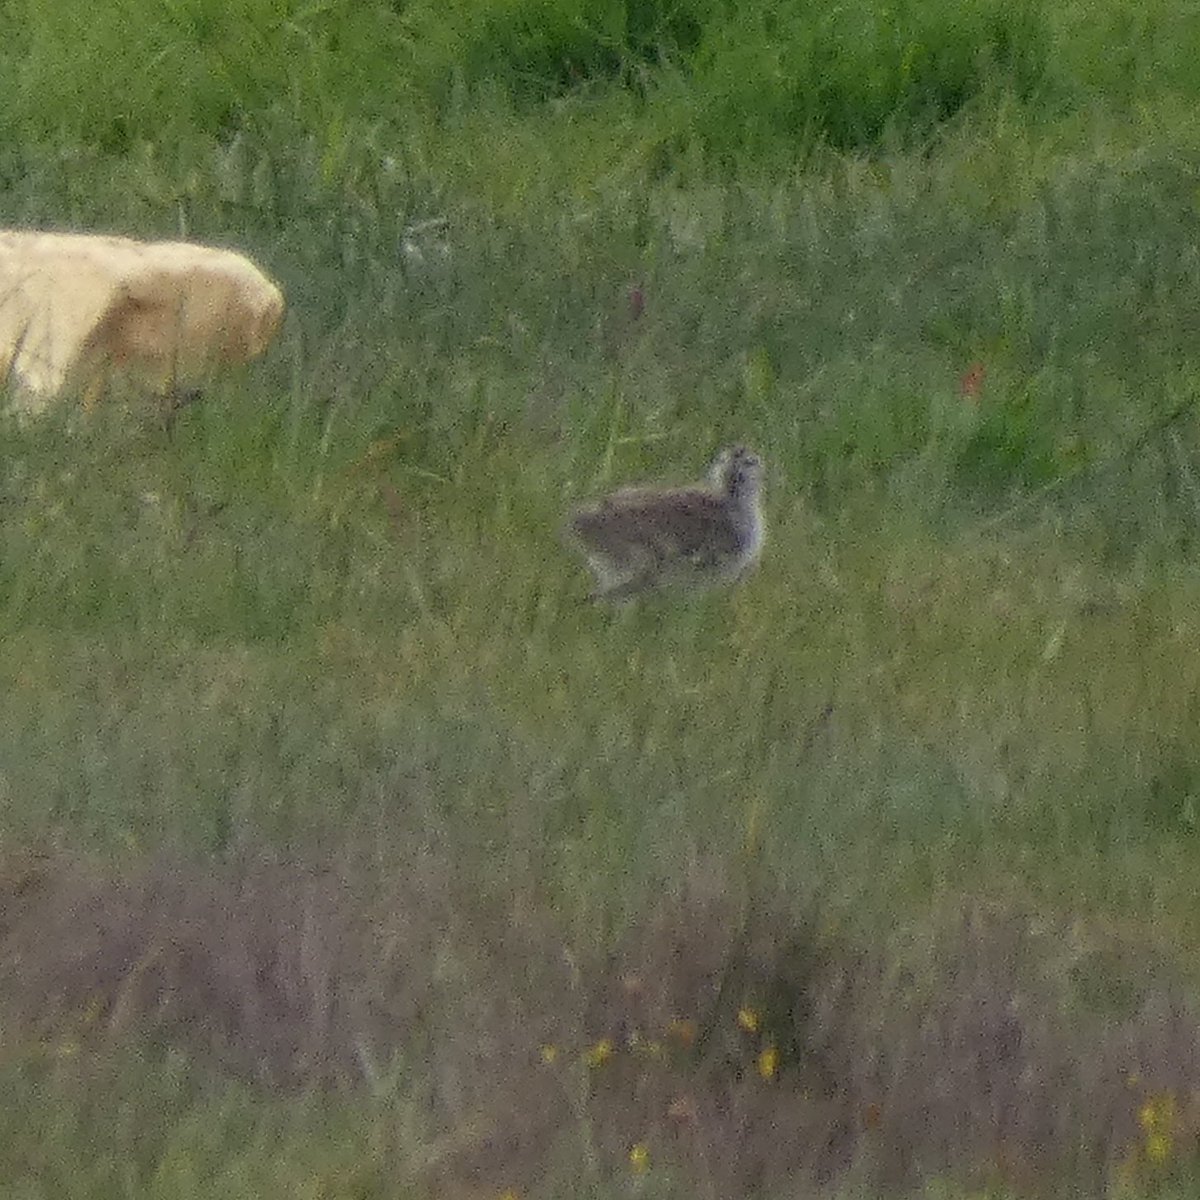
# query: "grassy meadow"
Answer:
x=347 y=851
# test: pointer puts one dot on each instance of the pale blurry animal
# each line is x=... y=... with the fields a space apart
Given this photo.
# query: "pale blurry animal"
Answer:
x=78 y=311
x=691 y=537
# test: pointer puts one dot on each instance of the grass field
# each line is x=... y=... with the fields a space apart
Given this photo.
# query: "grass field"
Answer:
x=346 y=851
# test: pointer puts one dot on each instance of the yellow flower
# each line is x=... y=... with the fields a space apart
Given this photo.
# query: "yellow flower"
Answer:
x=509 y=1195
x=549 y=1053
x=748 y=1019
x=1158 y=1147
x=768 y=1062
x=600 y=1053
x=1157 y=1113
x=639 y=1158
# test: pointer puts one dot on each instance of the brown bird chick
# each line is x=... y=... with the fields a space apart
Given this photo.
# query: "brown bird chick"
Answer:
x=637 y=539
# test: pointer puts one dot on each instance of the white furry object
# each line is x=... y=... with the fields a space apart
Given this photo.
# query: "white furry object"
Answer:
x=77 y=310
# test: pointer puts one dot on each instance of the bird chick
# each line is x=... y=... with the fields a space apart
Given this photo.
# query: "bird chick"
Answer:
x=642 y=538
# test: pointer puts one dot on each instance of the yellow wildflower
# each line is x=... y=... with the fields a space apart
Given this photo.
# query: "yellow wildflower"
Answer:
x=1158 y=1147
x=600 y=1053
x=639 y=1158
x=549 y=1053
x=509 y=1195
x=1157 y=1113
x=748 y=1019
x=768 y=1062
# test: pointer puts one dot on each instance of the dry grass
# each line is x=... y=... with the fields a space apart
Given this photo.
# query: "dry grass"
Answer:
x=726 y=1041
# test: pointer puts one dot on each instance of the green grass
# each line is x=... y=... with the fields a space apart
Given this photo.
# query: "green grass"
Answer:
x=332 y=608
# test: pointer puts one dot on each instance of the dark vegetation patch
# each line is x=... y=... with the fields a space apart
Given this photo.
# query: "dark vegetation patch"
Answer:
x=726 y=1036
x=765 y=79
x=758 y=81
